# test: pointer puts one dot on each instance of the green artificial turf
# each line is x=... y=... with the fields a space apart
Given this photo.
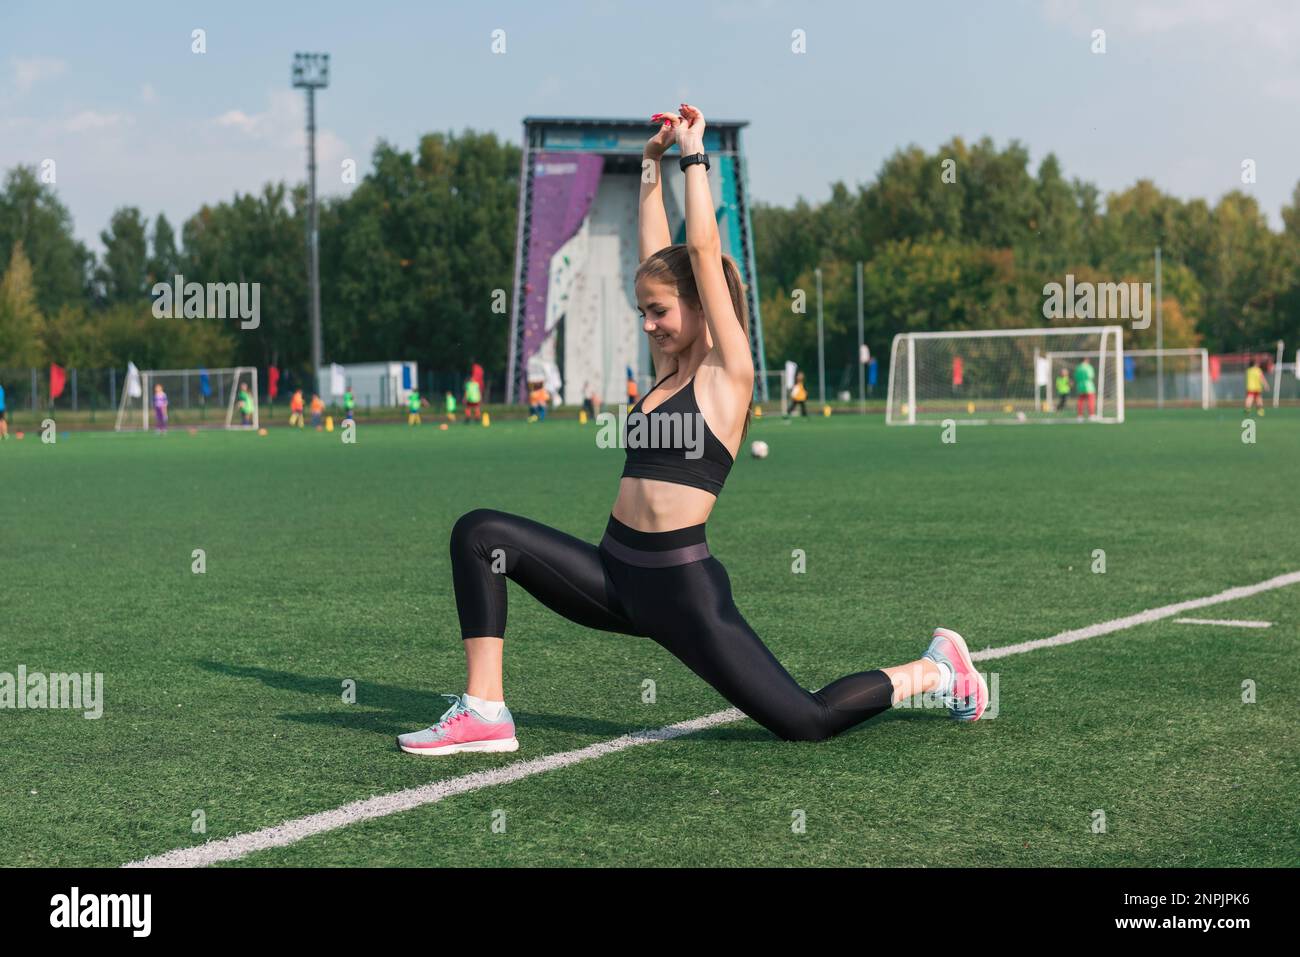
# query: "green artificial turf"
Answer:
x=328 y=563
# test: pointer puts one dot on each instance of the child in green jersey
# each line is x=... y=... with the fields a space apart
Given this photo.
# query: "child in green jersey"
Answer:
x=473 y=396
x=1085 y=384
x=245 y=405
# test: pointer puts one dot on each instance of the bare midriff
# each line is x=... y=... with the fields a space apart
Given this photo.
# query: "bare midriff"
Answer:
x=649 y=505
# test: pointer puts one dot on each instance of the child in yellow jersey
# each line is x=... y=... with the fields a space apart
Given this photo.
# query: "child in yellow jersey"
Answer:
x=413 y=408
x=798 y=396
x=1255 y=385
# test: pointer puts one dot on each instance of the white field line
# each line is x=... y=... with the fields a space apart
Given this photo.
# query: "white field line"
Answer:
x=1225 y=622
x=1141 y=618
x=290 y=832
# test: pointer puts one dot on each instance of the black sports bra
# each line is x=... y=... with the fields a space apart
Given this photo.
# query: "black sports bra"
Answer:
x=673 y=443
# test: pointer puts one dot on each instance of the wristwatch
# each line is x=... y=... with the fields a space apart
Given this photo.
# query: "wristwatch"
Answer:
x=691 y=160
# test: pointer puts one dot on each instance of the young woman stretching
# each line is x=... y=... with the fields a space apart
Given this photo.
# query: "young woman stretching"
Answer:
x=652 y=574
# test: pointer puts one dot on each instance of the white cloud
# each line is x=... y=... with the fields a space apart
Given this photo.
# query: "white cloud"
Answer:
x=28 y=71
x=1252 y=41
x=1224 y=24
x=239 y=120
x=148 y=94
x=279 y=124
x=91 y=120
x=277 y=137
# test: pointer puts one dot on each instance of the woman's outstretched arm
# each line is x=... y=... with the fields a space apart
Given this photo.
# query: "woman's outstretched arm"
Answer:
x=653 y=223
x=705 y=248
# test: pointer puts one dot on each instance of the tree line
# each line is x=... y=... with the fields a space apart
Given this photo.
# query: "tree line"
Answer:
x=963 y=237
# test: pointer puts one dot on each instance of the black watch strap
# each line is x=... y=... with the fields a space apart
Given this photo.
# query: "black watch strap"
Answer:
x=691 y=160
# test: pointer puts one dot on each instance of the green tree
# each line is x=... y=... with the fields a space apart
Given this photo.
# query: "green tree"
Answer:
x=413 y=259
x=31 y=214
x=257 y=239
x=20 y=315
x=165 y=258
x=123 y=274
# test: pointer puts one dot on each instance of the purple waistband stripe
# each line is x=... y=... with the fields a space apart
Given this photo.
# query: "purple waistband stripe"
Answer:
x=661 y=559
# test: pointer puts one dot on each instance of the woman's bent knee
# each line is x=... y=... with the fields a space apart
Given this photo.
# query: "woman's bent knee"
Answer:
x=803 y=731
x=809 y=724
x=471 y=527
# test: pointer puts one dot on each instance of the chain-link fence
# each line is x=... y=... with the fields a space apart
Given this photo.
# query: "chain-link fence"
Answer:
x=94 y=392
x=93 y=396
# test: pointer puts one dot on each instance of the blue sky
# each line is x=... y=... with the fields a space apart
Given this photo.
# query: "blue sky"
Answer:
x=1183 y=94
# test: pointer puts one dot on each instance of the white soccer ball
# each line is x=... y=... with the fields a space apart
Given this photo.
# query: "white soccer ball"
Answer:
x=758 y=449
x=1020 y=416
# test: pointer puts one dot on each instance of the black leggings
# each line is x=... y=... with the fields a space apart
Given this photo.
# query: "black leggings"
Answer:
x=659 y=585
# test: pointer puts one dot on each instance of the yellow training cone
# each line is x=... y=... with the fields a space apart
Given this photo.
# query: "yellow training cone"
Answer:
x=970 y=408
x=826 y=411
x=487 y=420
x=758 y=411
x=582 y=416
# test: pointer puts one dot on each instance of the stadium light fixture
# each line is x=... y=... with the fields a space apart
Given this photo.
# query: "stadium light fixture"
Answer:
x=311 y=72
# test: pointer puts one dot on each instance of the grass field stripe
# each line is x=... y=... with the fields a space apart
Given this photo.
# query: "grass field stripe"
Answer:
x=290 y=832
x=1225 y=622
x=1141 y=618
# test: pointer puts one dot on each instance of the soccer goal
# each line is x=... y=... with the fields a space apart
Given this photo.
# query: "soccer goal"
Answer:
x=997 y=376
x=1286 y=376
x=1185 y=374
x=776 y=386
x=196 y=398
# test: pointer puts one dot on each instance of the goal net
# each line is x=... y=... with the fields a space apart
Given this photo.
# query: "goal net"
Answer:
x=1161 y=377
x=999 y=376
x=779 y=396
x=196 y=398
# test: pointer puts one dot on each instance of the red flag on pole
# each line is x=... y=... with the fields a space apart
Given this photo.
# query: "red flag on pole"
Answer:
x=1214 y=368
x=273 y=381
x=58 y=379
x=956 y=370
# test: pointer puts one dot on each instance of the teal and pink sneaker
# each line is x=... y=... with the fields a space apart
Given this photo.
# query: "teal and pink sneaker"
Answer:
x=461 y=728
x=968 y=697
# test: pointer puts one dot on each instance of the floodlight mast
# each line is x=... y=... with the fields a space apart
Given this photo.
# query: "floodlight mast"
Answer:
x=311 y=72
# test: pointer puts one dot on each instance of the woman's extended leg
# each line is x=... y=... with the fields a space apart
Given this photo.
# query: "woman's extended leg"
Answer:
x=562 y=572
x=695 y=618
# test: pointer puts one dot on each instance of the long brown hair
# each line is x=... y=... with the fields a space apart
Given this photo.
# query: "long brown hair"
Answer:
x=672 y=267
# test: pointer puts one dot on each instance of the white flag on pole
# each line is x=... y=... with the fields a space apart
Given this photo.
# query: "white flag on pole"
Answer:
x=133 y=381
x=338 y=382
x=790 y=369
